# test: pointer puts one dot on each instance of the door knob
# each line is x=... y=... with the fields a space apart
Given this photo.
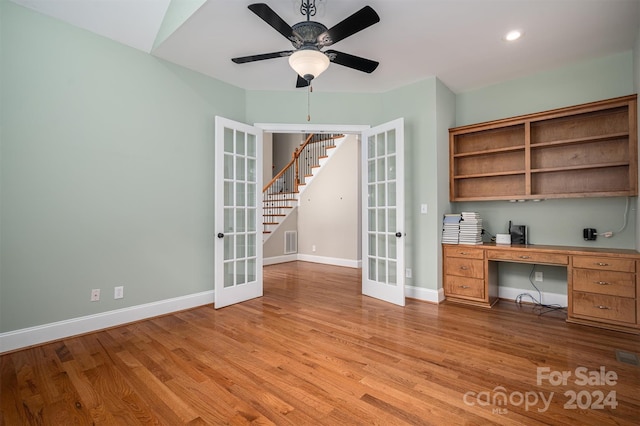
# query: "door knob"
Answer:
x=398 y=234
x=220 y=235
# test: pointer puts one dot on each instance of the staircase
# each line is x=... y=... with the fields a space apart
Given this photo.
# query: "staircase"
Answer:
x=280 y=196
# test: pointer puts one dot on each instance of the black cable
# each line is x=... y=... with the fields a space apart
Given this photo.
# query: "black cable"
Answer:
x=491 y=236
x=538 y=302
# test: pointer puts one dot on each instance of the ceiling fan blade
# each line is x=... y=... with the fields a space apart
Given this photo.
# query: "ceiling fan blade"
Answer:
x=360 y=20
x=253 y=58
x=301 y=82
x=351 y=61
x=272 y=18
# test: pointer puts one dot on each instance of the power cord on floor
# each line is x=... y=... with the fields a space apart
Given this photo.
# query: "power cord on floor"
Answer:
x=541 y=307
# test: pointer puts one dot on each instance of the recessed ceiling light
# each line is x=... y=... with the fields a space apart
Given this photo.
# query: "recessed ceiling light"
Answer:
x=513 y=35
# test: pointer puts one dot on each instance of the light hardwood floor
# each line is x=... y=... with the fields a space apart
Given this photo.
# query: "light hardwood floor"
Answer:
x=315 y=351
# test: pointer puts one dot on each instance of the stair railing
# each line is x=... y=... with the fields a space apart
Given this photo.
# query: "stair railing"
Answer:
x=280 y=190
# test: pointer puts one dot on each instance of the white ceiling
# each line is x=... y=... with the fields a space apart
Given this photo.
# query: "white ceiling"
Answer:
x=459 y=41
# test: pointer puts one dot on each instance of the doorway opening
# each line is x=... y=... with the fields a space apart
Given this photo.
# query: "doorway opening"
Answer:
x=324 y=212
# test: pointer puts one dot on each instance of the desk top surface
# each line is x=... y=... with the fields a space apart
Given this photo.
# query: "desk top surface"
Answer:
x=552 y=249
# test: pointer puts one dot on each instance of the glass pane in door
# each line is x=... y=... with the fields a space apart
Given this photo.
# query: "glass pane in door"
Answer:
x=240 y=213
x=381 y=173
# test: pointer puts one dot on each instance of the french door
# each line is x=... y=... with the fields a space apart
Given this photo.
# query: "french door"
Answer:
x=238 y=212
x=383 y=212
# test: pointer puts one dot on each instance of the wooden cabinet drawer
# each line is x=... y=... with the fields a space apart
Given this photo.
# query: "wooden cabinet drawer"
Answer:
x=463 y=286
x=462 y=267
x=604 y=263
x=603 y=307
x=613 y=283
x=470 y=253
x=528 y=257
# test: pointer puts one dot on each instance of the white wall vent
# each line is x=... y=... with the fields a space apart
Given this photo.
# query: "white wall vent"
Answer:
x=290 y=242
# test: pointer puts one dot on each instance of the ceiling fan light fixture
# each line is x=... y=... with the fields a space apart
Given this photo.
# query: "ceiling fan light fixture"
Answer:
x=309 y=63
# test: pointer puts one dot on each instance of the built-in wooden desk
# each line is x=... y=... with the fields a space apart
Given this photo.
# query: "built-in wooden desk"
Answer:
x=602 y=283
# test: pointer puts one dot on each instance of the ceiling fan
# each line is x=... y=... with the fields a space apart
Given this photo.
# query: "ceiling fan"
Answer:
x=309 y=37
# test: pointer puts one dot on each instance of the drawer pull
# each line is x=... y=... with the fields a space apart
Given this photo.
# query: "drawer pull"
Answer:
x=602 y=307
x=464 y=286
x=463 y=253
x=601 y=264
x=602 y=283
x=463 y=268
x=524 y=257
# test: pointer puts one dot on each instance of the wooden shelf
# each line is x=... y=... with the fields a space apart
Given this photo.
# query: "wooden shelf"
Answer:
x=516 y=172
x=490 y=151
x=587 y=150
x=583 y=167
x=581 y=140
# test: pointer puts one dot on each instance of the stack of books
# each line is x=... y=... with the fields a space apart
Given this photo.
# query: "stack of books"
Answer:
x=451 y=228
x=470 y=228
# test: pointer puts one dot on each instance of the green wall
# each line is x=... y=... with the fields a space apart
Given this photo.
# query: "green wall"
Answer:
x=417 y=104
x=106 y=172
x=578 y=83
x=326 y=108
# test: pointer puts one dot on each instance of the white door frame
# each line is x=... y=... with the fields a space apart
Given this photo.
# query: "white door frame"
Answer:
x=352 y=129
x=312 y=128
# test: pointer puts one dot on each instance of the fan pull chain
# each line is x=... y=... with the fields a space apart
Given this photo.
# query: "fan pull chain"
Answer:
x=309 y=90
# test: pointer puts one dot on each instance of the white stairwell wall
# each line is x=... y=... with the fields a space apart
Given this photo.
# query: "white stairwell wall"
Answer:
x=327 y=215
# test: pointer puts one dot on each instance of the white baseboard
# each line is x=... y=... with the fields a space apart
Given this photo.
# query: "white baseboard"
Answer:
x=424 y=294
x=279 y=259
x=510 y=293
x=26 y=337
x=330 y=260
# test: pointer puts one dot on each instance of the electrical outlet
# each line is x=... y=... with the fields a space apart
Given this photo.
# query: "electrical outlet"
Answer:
x=95 y=295
x=118 y=292
x=424 y=208
x=313 y=248
x=407 y=273
x=538 y=276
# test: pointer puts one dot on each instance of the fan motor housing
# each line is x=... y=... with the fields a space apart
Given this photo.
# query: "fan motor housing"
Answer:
x=308 y=32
